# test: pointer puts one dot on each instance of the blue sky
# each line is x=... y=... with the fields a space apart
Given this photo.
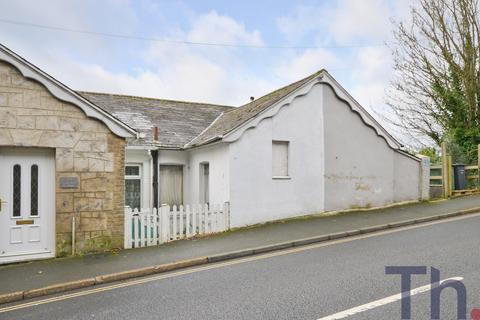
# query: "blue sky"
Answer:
x=213 y=74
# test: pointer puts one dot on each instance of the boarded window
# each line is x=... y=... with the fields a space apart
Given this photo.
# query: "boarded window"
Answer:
x=280 y=158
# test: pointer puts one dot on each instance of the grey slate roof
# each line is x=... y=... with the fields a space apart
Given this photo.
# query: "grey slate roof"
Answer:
x=178 y=122
x=189 y=124
x=237 y=116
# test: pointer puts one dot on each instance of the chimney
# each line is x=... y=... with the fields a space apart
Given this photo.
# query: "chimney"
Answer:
x=252 y=98
x=155 y=133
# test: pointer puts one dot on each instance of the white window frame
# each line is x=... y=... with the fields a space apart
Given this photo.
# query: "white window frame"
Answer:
x=282 y=177
x=136 y=177
x=202 y=190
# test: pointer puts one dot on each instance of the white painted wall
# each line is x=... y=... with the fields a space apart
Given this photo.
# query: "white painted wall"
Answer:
x=217 y=157
x=174 y=157
x=361 y=170
x=425 y=177
x=255 y=196
x=335 y=162
x=408 y=178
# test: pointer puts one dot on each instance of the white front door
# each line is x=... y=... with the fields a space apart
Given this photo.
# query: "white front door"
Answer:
x=27 y=212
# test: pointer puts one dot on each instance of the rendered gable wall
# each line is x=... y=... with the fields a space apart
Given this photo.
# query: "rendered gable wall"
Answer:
x=255 y=196
x=85 y=148
x=360 y=169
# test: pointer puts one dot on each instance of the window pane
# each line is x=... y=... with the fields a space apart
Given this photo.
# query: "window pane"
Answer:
x=34 y=191
x=280 y=158
x=132 y=170
x=132 y=193
x=17 y=176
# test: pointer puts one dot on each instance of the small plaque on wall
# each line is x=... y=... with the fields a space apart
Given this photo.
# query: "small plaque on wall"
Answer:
x=68 y=182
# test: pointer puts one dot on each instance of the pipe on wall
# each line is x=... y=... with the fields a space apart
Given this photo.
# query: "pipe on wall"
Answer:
x=155 y=178
x=73 y=235
x=150 y=175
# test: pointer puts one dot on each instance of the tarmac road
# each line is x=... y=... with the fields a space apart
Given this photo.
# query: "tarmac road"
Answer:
x=313 y=282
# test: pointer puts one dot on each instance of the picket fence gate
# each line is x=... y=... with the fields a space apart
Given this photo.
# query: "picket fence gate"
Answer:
x=150 y=227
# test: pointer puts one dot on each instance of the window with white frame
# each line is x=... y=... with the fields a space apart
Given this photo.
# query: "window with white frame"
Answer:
x=280 y=159
x=205 y=182
x=133 y=186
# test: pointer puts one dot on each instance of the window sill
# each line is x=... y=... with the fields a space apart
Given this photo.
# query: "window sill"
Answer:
x=281 y=177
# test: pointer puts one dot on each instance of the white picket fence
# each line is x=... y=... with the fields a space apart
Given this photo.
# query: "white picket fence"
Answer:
x=150 y=227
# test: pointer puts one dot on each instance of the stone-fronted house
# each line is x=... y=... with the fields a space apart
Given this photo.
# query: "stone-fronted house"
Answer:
x=306 y=148
x=60 y=156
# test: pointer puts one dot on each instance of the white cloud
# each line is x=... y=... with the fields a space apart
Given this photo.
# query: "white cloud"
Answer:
x=80 y=15
x=213 y=74
x=369 y=82
x=92 y=77
x=371 y=76
x=340 y=22
x=216 y=28
x=345 y=22
x=306 y=63
x=154 y=69
x=222 y=75
x=359 y=20
x=191 y=74
x=302 y=20
x=364 y=71
x=372 y=63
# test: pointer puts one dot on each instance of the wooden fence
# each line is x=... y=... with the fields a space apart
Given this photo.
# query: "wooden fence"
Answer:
x=436 y=176
x=150 y=227
x=437 y=179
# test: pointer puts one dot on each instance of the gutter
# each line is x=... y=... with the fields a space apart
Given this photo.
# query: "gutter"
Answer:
x=209 y=141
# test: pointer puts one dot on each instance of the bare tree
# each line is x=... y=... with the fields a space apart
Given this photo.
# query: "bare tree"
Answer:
x=436 y=89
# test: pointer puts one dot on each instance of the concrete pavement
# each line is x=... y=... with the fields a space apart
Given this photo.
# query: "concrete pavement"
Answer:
x=44 y=273
x=310 y=283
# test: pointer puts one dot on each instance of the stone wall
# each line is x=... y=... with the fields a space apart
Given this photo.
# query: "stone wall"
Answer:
x=85 y=148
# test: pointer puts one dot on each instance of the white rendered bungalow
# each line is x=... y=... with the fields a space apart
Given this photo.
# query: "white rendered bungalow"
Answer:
x=70 y=161
x=306 y=148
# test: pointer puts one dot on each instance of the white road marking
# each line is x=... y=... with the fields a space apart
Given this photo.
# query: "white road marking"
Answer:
x=128 y=283
x=382 y=302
